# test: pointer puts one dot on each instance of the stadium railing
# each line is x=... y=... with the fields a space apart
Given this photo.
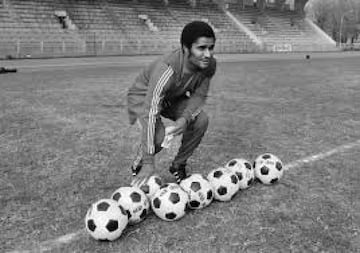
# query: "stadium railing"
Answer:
x=55 y=48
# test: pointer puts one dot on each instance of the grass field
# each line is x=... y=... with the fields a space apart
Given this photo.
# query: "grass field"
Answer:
x=65 y=142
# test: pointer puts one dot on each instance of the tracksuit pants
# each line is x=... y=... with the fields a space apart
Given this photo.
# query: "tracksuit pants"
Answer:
x=192 y=135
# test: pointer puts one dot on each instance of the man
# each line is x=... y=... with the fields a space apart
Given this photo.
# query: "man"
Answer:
x=174 y=86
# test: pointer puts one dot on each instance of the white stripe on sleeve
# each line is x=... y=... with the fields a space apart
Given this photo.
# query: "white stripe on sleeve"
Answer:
x=155 y=108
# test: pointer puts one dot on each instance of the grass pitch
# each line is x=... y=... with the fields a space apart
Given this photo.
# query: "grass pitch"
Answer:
x=65 y=142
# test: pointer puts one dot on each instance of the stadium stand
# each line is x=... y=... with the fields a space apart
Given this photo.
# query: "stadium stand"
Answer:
x=281 y=30
x=51 y=28
x=33 y=27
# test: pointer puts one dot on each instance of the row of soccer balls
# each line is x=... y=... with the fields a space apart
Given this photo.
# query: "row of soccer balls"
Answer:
x=107 y=218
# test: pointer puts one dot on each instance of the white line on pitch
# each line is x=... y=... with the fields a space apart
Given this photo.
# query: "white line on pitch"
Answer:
x=65 y=239
x=51 y=66
x=320 y=156
x=54 y=243
x=68 y=238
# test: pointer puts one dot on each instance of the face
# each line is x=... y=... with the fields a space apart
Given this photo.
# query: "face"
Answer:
x=202 y=50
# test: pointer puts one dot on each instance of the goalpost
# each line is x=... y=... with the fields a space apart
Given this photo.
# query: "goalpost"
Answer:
x=285 y=47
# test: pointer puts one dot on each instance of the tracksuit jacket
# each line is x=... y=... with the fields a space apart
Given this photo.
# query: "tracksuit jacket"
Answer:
x=161 y=84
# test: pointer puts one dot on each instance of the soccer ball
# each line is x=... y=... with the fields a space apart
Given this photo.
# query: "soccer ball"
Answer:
x=169 y=203
x=224 y=182
x=199 y=190
x=134 y=202
x=244 y=171
x=268 y=168
x=151 y=186
x=106 y=220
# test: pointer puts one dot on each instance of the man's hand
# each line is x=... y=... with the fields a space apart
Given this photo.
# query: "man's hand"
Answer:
x=142 y=177
x=179 y=127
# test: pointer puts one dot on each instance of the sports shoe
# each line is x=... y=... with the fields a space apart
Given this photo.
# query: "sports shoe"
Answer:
x=136 y=167
x=178 y=172
x=137 y=164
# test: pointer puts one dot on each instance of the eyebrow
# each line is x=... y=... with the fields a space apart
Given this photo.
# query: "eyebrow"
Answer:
x=205 y=45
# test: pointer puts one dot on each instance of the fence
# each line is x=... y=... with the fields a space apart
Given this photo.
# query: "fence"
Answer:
x=101 y=47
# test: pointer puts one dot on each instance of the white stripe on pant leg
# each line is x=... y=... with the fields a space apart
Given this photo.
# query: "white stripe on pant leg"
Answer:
x=138 y=151
x=139 y=124
x=196 y=113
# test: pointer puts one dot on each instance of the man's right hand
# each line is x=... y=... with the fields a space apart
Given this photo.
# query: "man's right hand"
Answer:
x=179 y=127
x=142 y=177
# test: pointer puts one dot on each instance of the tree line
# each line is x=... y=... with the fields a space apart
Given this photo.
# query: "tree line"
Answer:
x=338 y=18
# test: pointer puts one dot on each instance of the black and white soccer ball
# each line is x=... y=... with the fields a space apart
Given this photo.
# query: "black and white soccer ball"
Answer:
x=224 y=182
x=134 y=201
x=169 y=203
x=105 y=220
x=268 y=168
x=199 y=190
x=152 y=186
x=244 y=171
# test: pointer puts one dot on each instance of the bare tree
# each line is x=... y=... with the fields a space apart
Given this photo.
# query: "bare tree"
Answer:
x=339 y=18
